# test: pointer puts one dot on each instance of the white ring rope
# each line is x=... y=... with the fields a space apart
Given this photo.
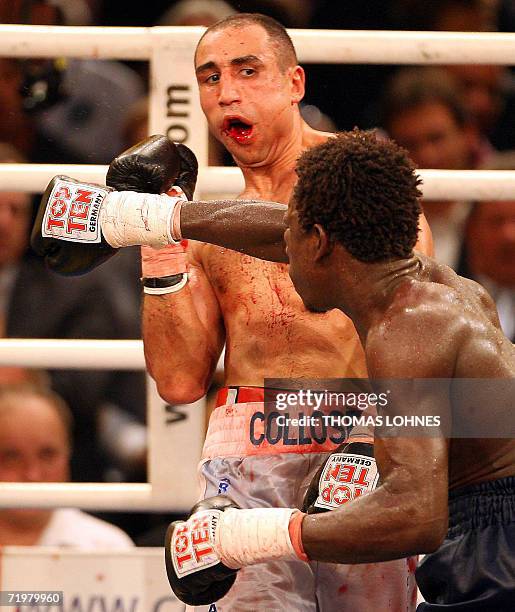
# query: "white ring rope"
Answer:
x=317 y=46
x=72 y=354
x=437 y=184
x=91 y=496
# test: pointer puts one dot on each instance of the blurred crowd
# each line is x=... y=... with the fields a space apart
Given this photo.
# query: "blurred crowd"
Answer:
x=86 y=111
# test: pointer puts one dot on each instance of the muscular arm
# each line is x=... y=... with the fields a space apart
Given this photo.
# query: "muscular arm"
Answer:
x=249 y=226
x=253 y=227
x=183 y=336
x=407 y=513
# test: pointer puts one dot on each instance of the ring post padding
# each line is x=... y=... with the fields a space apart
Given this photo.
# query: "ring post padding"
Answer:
x=174 y=102
x=175 y=438
x=175 y=432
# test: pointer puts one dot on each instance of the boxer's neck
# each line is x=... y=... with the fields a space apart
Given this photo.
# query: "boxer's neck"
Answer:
x=274 y=183
x=363 y=291
x=274 y=178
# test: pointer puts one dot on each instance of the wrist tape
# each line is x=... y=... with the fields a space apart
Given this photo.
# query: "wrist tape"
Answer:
x=128 y=218
x=177 y=192
x=246 y=537
x=167 y=284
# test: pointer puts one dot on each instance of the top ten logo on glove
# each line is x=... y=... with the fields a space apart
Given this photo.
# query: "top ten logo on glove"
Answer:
x=192 y=543
x=73 y=213
x=344 y=478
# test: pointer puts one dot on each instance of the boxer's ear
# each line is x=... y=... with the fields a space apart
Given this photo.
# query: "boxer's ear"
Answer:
x=324 y=245
x=297 y=84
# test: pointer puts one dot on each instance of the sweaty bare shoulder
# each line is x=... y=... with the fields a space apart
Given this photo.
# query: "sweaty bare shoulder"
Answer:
x=484 y=298
x=418 y=335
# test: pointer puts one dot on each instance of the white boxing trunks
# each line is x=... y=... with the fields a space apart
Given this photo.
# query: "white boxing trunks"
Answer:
x=258 y=462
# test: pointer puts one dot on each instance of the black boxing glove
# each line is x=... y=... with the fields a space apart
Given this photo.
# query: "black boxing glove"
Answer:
x=151 y=166
x=349 y=472
x=139 y=169
x=195 y=572
x=68 y=206
x=187 y=177
x=80 y=225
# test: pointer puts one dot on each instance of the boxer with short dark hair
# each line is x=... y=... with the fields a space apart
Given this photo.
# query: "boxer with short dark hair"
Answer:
x=250 y=88
x=278 y=37
x=450 y=497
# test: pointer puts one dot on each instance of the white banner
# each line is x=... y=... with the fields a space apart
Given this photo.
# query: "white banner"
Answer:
x=123 y=581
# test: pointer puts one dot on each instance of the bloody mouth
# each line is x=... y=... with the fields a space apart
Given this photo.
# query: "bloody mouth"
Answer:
x=237 y=130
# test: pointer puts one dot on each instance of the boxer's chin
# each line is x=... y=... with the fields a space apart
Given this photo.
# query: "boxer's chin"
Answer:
x=318 y=308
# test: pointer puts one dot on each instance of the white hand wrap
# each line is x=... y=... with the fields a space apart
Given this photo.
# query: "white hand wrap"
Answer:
x=245 y=537
x=128 y=218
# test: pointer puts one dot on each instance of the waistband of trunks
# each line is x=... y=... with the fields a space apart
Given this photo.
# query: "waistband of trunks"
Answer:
x=481 y=505
x=243 y=395
x=247 y=428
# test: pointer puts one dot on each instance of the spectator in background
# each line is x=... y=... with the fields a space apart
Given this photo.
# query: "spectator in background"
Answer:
x=35 y=446
x=196 y=13
x=60 y=111
x=424 y=113
x=37 y=303
x=488 y=90
x=483 y=92
x=20 y=128
x=15 y=375
x=98 y=92
x=488 y=254
x=15 y=127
